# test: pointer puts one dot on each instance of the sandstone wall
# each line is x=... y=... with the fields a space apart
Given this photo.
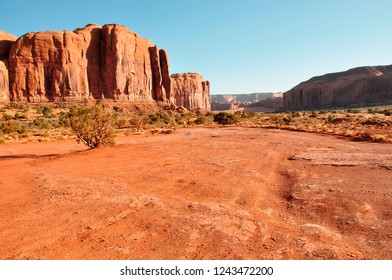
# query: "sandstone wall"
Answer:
x=190 y=91
x=6 y=40
x=358 y=86
x=92 y=62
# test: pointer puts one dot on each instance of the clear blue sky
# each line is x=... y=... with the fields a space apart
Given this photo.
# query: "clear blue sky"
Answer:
x=241 y=46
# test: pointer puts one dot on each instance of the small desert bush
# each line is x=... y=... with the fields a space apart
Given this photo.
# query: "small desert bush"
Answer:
x=46 y=111
x=200 y=120
x=92 y=126
x=276 y=119
x=7 y=117
x=41 y=124
x=18 y=116
x=122 y=123
x=18 y=106
x=225 y=118
x=12 y=126
x=138 y=121
x=387 y=112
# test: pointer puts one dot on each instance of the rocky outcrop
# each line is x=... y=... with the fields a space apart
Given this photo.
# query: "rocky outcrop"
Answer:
x=190 y=91
x=4 y=81
x=109 y=62
x=99 y=62
x=126 y=64
x=355 y=87
x=48 y=66
x=165 y=74
x=161 y=75
x=6 y=41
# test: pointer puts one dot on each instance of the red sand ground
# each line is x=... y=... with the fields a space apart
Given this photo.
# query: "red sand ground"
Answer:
x=223 y=193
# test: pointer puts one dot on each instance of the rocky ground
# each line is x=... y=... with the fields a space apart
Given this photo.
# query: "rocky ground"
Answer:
x=218 y=193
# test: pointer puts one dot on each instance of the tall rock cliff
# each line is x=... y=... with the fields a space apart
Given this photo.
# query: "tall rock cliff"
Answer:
x=190 y=91
x=6 y=41
x=107 y=61
x=357 y=86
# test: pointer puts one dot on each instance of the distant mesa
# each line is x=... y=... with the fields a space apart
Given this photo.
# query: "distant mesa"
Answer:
x=93 y=62
x=362 y=86
x=256 y=102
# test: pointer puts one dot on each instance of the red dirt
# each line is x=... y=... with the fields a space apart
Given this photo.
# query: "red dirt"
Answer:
x=222 y=193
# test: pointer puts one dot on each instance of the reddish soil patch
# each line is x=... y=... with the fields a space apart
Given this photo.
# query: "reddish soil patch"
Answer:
x=222 y=193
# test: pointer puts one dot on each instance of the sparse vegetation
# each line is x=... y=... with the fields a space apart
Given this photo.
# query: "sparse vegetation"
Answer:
x=31 y=122
x=92 y=126
x=225 y=118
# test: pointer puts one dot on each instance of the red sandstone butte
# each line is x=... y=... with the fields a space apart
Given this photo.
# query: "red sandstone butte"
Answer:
x=96 y=62
x=191 y=91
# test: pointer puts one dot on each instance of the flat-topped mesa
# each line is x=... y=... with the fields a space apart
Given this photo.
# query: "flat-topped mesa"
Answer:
x=96 y=62
x=6 y=40
x=190 y=91
x=91 y=62
x=355 y=87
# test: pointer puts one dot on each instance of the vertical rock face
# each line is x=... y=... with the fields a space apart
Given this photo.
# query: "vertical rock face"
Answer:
x=165 y=73
x=161 y=75
x=6 y=41
x=126 y=64
x=93 y=62
x=92 y=37
x=48 y=66
x=358 y=86
x=4 y=81
x=190 y=91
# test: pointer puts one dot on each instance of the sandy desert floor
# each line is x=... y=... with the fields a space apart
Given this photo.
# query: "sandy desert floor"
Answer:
x=200 y=193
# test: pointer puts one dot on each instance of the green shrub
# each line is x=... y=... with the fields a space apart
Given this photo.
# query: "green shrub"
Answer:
x=122 y=123
x=330 y=119
x=17 y=116
x=200 y=120
x=295 y=114
x=138 y=121
x=18 y=106
x=225 y=118
x=387 y=112
x=46 y=111
x=153 y=118
x=179 y=120
x=277 y=119
x=289 y=119
x=247 y=115
x=7 y=117
x=12 y=126
x=41 y=123
x=92 y=126
x=63 y=119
